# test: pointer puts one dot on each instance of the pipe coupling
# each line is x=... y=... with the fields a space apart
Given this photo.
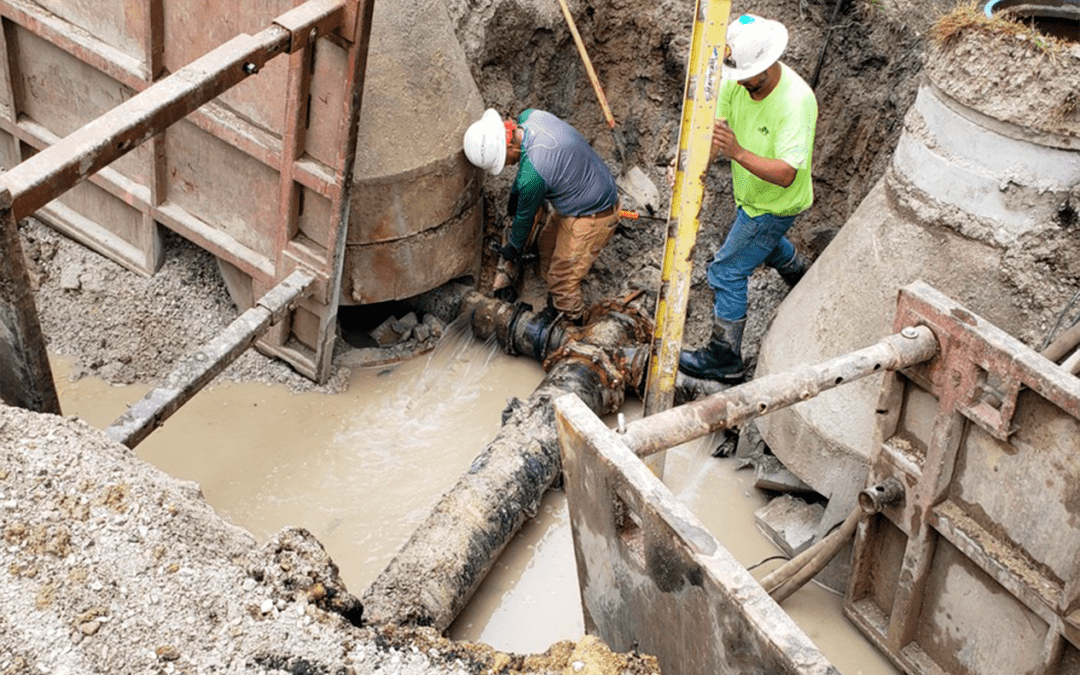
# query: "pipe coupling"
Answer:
x=596 y=358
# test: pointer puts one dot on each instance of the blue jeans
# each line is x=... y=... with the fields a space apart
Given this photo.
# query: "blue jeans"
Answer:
x=750 y=242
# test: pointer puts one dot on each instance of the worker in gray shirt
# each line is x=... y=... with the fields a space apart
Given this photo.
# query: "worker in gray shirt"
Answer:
x=556 y=165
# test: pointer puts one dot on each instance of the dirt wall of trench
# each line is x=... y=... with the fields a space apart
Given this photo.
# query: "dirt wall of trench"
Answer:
x=523 y=55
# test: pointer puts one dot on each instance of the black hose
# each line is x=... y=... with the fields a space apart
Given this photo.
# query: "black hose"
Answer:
x=825 y=44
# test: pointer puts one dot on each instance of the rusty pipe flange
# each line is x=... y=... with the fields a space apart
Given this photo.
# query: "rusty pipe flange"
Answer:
x=643 y=325
x=633 y=362
x=597 y=359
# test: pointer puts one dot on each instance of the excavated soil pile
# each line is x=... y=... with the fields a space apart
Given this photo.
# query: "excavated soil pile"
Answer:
x=107 y=565
x=110 y=566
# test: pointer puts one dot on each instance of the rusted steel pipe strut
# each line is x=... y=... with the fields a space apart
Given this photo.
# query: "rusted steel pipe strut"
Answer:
x=739 y=404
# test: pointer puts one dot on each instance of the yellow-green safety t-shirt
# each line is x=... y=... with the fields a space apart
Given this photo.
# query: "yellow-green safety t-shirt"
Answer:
x=779 y=127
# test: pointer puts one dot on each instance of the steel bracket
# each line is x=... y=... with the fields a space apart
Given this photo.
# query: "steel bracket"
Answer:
x=312 y=20
x=282 y=299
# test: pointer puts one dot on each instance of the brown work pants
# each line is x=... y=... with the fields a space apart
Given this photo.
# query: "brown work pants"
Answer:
x=568 y=247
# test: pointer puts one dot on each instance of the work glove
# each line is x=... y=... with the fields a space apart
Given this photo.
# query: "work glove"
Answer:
x=510 y=253
x=511 y=205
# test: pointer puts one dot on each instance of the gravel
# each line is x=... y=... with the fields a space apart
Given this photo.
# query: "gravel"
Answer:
x=125 y=328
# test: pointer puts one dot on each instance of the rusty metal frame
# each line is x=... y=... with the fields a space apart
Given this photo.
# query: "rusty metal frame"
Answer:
x=974 y=391
x=25 y=374
x=643 y=560
x=59 y=164
x=653 y=579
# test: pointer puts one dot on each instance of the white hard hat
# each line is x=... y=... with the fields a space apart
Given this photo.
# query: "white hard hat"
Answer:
x=485 y=142
x=753 y=44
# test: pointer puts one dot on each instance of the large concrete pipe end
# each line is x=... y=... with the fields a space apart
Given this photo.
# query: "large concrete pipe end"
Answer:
x=416 y=208
x=976 y=203
x=1059 y=18
x=415 y=220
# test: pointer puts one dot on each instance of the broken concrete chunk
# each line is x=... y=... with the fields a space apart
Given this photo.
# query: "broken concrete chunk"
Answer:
x=771 y=474
x=69 y=278
x=390 y=332
x=790 y=523
x=409 y=321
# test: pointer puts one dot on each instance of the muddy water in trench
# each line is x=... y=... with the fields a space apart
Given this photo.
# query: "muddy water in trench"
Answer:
x=361 y=470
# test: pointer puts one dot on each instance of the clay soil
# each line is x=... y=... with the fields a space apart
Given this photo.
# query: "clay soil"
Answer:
x=107 y=565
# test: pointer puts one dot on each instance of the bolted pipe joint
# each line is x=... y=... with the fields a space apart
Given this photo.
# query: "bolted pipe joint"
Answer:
x=875 y=498
x=536 y=336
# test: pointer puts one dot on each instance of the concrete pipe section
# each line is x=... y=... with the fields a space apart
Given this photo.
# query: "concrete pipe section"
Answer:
x=980 y=202
x=415 y=217
x=1060 y=18
x=416 y=213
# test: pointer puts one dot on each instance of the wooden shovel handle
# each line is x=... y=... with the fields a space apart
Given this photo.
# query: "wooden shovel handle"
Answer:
x=588 y=64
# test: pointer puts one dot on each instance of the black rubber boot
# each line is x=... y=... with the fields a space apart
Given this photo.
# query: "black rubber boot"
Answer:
x=719 y=360
x=793 y=270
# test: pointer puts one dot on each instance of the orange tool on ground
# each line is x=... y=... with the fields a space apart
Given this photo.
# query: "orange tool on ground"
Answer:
x=634 y=215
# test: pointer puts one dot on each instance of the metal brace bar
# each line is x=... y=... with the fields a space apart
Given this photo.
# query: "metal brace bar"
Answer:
x=312 y=20
x=198 y=369
x=675 y=426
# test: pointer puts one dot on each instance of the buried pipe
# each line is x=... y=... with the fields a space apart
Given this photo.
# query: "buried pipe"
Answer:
x=1066 y=342
x=793 y=575
x=438 y=569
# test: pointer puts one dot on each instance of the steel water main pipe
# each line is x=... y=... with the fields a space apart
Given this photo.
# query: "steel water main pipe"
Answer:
x=435 y=573
x=726 y=409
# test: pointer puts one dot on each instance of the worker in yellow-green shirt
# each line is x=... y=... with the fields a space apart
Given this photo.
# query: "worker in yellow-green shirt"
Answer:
x=765 y=121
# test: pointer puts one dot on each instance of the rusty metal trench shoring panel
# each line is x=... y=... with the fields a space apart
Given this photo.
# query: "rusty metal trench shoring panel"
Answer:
x=974 y=571
x=977 y=571
x=652 y=577
x=94 y=129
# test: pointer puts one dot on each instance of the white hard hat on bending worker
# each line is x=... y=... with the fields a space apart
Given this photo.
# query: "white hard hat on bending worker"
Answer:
x=486 y=141
x=563 y=201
